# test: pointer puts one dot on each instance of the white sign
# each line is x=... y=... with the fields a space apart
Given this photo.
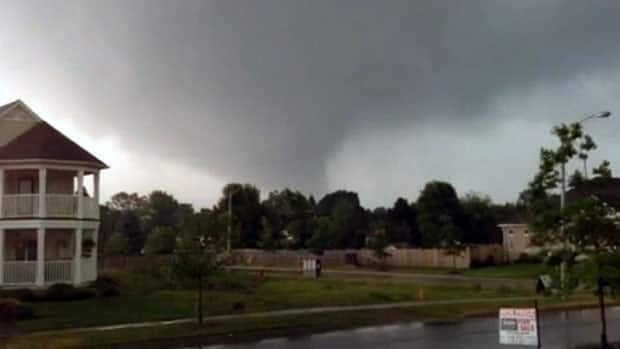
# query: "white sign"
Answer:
x=518 y=326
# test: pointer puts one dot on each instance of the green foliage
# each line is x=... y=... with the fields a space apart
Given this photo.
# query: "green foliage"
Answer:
x=161 y=241
x=197 y=255
x=603 y=170
x=65 y=292
x=162 y=210
x=323 y=237
x=246 y=212
x=13 y=310
x=21 y=294
x=481 y=223
x=290 y=211
x=441 y=216
x=401 y=223
x=130 y=226
x=117 y=245
x=270 y=238
x=106 y=286
x=378 y=243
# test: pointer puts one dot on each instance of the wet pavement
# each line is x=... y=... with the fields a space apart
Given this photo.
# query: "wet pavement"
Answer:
x=558 y=330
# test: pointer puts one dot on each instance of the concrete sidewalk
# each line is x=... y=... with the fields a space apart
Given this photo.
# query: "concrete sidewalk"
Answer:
x=300 y=311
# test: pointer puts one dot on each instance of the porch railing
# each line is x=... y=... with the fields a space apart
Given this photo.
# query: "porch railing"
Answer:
x=58 y=206
x=21 y=205
x=91 y=208
x=58 y=271
x=20 y=272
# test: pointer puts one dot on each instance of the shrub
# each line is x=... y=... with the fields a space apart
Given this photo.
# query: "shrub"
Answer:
x=161 y=241
x=21 y=294
x=65 y=292
x=12 y=309
x=106 y=286
x=117 y=245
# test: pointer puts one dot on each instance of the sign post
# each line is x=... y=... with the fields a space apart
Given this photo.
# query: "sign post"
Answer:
x=519 y=326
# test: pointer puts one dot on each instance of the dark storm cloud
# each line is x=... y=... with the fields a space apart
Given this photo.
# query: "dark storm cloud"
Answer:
x=272 y=91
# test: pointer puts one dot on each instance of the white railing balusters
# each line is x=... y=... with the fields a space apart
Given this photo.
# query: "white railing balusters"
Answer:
x=58 y=206
x=19 y=272
x=21 y=205
x=58 y=271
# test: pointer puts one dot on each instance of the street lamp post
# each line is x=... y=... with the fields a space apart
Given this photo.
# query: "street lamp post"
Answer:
x=600 y=115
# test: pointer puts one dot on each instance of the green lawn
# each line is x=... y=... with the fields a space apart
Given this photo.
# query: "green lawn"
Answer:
x=516 y=271
x=274 y=293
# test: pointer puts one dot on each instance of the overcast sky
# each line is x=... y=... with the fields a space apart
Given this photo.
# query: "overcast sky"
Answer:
x=373 y=96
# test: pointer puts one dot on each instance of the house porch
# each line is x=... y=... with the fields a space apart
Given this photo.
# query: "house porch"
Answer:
x=40 y=257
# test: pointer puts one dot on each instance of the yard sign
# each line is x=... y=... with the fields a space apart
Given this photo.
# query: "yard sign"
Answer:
x=518 y=326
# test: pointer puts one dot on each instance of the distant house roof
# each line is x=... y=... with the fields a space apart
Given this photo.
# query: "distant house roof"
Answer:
x=27 y=137
x=606 y=189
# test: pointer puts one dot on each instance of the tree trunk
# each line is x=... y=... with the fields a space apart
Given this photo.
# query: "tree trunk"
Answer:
x=200 y=300
x=601 y=303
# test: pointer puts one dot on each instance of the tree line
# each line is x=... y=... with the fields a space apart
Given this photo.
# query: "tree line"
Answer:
x=135 y=224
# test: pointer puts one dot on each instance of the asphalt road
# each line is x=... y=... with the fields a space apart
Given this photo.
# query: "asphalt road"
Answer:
x=559 y=330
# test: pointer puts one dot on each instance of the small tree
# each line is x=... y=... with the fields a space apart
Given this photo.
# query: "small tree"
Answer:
x=117 y=245
x=197 y=254
x=453 y=248
x=379 y=243
x=587 y=227
x=593 y=228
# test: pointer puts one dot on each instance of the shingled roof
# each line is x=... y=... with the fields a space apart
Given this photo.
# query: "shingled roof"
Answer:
x=44 y=142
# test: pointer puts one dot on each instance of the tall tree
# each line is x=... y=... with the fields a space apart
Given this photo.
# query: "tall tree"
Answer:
x=481 y=223
x=441 y=217
x=350 y=223
x=123 y=201
x=289 y=211
x=130 y=226
x=401 y=223
x=246 y=212
x=162 y=210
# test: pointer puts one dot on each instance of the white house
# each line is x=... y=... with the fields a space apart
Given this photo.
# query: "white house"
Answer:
x=49 y=203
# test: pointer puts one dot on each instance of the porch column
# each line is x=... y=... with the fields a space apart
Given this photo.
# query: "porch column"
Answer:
x=94 y=255
x=96 y=191
x=40 y=271
x=1 y=197
x=80 y=194
x=1 y=257
x=42 y=192
x=77 y=257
